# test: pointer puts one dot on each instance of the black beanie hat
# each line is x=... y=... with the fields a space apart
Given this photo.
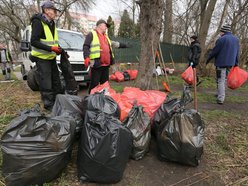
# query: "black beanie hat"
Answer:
x=194 y=37
x=225 y=28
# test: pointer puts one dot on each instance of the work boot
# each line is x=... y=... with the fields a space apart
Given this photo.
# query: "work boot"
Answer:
x=8 y=76
x=219 y=102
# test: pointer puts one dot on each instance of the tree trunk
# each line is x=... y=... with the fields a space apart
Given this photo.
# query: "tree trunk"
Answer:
x=205 y=22
x=151 y=12
x=168 y=26
x=223 y=16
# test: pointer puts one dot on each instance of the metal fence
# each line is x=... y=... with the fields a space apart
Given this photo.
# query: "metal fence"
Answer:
x=177 y=53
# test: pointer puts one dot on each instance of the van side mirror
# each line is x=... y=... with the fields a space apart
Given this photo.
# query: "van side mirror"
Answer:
x=25 y=46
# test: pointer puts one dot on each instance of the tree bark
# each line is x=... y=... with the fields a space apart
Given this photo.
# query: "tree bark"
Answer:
x=151 y=12
x=168 y=26
x=206 y=16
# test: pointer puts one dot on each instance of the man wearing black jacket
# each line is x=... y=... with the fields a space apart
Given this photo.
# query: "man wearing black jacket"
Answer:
x=44 y=42
x=194 y=51
x=194 y=54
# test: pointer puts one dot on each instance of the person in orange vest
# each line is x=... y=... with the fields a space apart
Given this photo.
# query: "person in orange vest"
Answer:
x=98 y=53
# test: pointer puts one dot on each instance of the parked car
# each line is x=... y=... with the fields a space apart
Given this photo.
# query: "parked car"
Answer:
x=71 y=41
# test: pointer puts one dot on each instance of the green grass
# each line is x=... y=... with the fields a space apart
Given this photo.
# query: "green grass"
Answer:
x=12 y=75
x=4 y=121
x=18 y=68
x=215 y=114
x=118 y=88
x=175 y=80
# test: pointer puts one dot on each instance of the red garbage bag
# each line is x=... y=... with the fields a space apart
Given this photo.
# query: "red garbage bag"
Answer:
x=101 y=87
x=113 y=77
x=236 y=77
x=188 y=75
x=119 y=76
x=132 y=73
x=149 y=99
x=124 y=105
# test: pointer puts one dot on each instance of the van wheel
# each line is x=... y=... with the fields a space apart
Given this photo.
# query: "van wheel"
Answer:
x=32 y=80
x=23 y=72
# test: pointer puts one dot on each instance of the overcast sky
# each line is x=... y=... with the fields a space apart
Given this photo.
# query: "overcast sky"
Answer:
x=104 y=8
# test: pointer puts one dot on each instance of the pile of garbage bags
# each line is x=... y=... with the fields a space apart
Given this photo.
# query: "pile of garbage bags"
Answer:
x=111 y=128
x=127 y=75
x=36 y=148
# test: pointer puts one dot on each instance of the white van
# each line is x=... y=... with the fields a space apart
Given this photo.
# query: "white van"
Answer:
x=72 y=42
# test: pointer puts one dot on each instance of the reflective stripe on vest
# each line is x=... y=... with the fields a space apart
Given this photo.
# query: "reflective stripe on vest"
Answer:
x=7 y=55
x=50 y=41
x=95 y=46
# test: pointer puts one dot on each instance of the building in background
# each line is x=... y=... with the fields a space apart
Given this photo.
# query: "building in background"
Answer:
x=84 y=23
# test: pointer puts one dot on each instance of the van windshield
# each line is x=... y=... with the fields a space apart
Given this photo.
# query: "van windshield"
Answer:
x=70 y=40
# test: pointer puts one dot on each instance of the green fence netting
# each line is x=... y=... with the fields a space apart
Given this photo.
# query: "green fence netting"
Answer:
x=177 y=53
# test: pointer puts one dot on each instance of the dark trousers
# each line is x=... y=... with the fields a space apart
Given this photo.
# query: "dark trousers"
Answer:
x=99 y=75
x=49 y=81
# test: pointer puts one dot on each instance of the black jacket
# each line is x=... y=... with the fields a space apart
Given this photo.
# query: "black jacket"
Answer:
x=194 y=53
x=38 y=31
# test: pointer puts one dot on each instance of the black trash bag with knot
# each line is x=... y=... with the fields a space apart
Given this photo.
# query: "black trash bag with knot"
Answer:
x=71 y=86
x=180 y=135
x=104 y=149
x=99 y=102
x=72 y=105
x=165 y=111
x=140 y=125
x=36 y=148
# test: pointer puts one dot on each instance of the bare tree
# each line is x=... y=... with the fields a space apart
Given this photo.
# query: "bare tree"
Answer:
x=207 y=9
x=168 y=25
x=16 y=14
x=151 y=12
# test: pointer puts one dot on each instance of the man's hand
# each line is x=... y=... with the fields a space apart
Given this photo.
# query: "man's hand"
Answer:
x=86 y=62
x=56 y=49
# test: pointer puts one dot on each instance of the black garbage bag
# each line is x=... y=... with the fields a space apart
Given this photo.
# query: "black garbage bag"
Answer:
x=72 y=105
x=165 y=111
x=180 y=139
x=126 y=76
x=36 y=148
x=104 y=149
x=99 y=102
x=180 y=135
x=140 y=125
x=169 y=107
x=67 y=72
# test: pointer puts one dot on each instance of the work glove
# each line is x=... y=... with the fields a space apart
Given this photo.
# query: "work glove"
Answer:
x=125 y=45
x=86 y=62
x=207 y=61
x=56 y=49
